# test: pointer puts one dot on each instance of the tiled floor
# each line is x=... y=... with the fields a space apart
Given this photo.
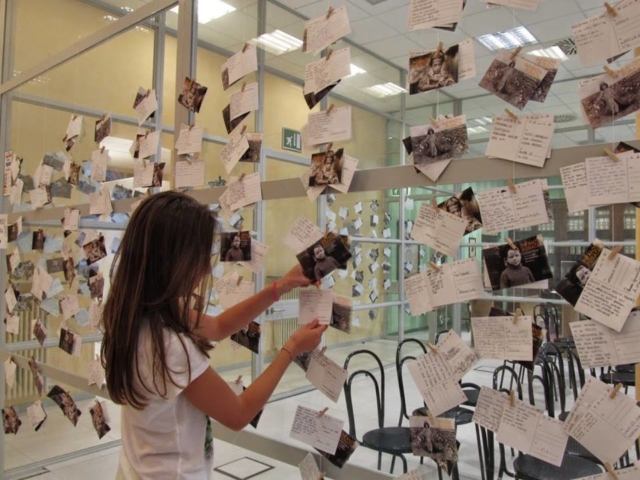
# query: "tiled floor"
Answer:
x=59 y=437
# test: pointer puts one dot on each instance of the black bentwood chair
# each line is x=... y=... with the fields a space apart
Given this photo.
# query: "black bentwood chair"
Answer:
x=395 y=441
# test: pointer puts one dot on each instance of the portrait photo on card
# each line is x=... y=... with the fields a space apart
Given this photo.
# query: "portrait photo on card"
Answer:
x=10 y=420
x=437 y=442
x=255 y=146
x=39 y=331
x=66 y=403
x=431 y=70
x=571 y=286
x=99 y=421
x=38 y=240
x=74 y=173
x=303 y=360
x=248 y=337
x=95 y=250
x=103 y=128
x=515 y=80
x=67 y=340
x=55 y=265
x=464 y=205
x=229 y=124
x=326 y=168
x=38 y=381
x=341 y=314
x=314 y=98
x=431 y=143
x=96 y=284
x=69 y=270
x=323 y=257
x=121 y=193
x=192 y=95
x=235 y=246
x=346 y=446
x=513 y=267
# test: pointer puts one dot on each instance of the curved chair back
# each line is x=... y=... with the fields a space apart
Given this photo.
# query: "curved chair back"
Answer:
x=400 y=361
x=576 y=372
x=379 y=388
x=554 y=320
x=540 y=313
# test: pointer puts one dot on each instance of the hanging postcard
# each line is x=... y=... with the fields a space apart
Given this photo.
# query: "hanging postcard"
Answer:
x=439 y=140
x=239 y=65
x=322 y=31
x=431 y=13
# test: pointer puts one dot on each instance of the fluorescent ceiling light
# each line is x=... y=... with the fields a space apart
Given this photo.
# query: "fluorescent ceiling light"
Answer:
x=277 y=42
x=551 y=52
x=210 y=10
x=385 y=90
x=516 y=37
x=481 y=121
x=356 y=70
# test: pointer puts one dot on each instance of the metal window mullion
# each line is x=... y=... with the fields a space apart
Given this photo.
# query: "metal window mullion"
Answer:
x=401 y=216
x=158 y=76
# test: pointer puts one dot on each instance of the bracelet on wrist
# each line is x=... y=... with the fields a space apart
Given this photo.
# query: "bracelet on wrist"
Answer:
x=284 y=349
x=276 y=297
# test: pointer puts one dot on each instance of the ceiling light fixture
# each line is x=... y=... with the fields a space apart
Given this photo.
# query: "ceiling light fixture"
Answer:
x=385 y=90
x=516 y=37
x=210 y=10
x=356 y=70
x=551 y=52
x=277 y=42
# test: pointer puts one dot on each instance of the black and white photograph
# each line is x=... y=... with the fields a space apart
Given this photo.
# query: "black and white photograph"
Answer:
x=235 y=246
x=158 y=173
x=120 y=193
x=103 y=128
x=303 y=360
x=346 y=446
x=55 y=161
x=67 y=340
x=66 y=404
x=98 y=418
x=141 y=94
x=372 y=314
x=514 y=80
x=95 y=250
x=38 y=381
x=55 y=265
x=96 y=284
x=464 y=205
x=248 y=337
x=571 y=286
x=255 y=146
x=192 y=95
x=447 y=139
x=513 y=267
x=605 y=99
x=61 y=189
x=314 y=98
x=38 y=240
x=341 y=313
x=434 y=441
x=551 y=65
x=69 y=270
x=431 y=70
x=39 y=331
x=74 y=173
x=229 y=124
x=323 y=257
x=326 y=168
x=10 y=420
x=13 y=232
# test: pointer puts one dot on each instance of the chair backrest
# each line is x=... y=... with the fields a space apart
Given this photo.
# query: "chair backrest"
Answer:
x=540 y=312
x=576 y=372
x=400 y=361
x=554 y=320
x=441 y=332
x=379 y=388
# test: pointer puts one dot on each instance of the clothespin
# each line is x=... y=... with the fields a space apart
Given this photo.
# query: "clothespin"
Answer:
x=438 y=49
x=329 y=13
x=434 y=202
x=512 y=115
x=244 y=129
x=435 y=266
x=102 y=149
x=329 y=53
x=611 y=155
x=607 y=465
x=615 y=391
x=103 y=118
x=322 y=412
x=238 y=380
x=512 y=398
x=434 y=122
x=509 y=242
x=244 y=84
x=73 y=118
x=323 y=349
x=239 y=281
x=610 y=10
x=515 y=53
x=512 y=187
x=242 y=175
x=331 y=107
x=244 y=48
x=321 y=477
x=610 y=71
x=615 y=251
x=516 y=316
x=432 y=347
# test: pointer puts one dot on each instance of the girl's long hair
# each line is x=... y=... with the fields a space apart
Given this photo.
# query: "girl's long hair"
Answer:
x=164 y=257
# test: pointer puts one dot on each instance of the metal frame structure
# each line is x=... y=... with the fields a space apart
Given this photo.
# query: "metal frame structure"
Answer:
x=400 y=177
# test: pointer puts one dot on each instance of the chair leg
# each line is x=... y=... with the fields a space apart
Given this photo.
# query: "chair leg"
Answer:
x=393 y=463
x=405 y=467
x=480 y=453
x=379 y=460
x=439 y=473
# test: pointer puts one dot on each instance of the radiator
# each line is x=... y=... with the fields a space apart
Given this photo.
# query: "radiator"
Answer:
x=282 y=330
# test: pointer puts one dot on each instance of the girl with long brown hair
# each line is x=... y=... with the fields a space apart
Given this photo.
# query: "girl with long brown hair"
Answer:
x=156 y=340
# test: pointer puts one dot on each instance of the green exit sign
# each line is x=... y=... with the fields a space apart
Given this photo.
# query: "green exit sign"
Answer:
x=291 y=140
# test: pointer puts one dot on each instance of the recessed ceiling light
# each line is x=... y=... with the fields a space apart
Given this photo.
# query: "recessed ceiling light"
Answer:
x=551 y=52
x=384 y=90
x=516 y=37
x=210 y=10
x=277 y=42
x=356 y=70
